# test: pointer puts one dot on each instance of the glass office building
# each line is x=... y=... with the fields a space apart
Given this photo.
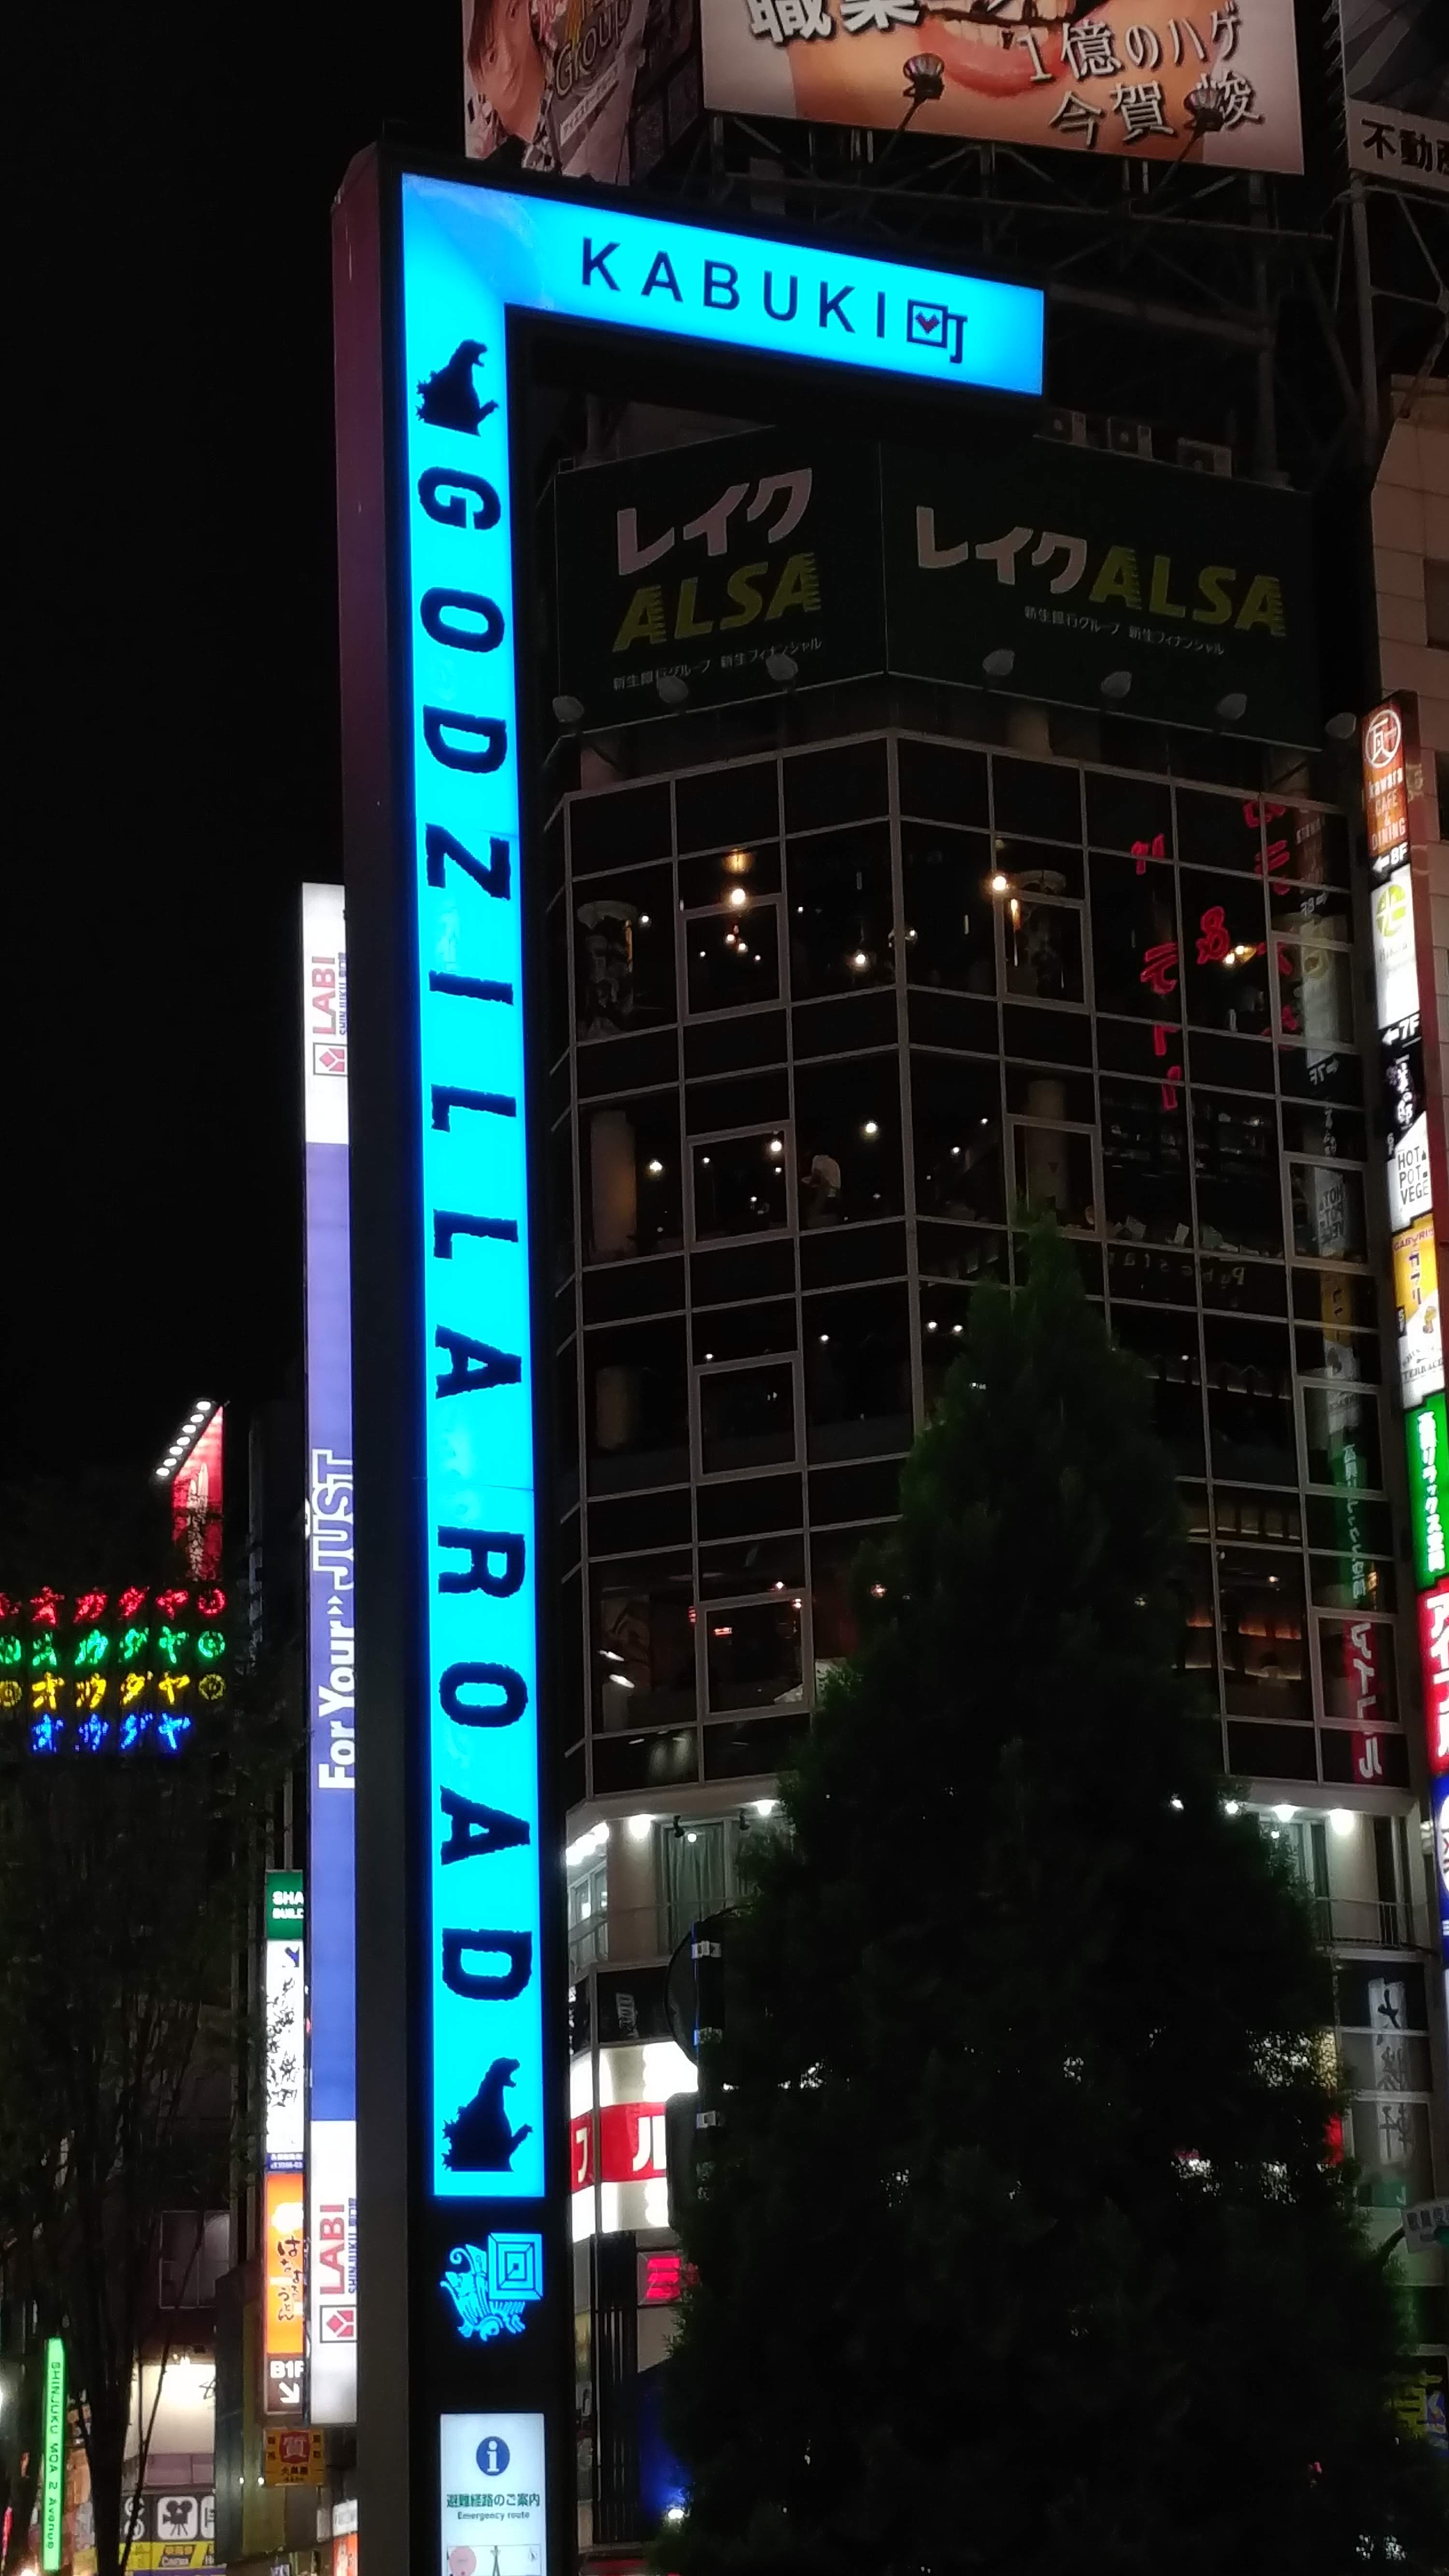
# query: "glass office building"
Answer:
x=827 y=1018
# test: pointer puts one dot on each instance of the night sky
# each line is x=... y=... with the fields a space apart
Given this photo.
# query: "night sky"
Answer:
x=172 y=756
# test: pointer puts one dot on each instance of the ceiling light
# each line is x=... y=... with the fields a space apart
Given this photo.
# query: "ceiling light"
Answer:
x=776 y=1145
x=654 y=1168
x=860 y=959
x=639 y=1828
x=1285 y=1815
x=999 y=883
x=765 y=1806
x=870 y=1128
x=621 y=1680
x=1341 y=1822
x=738 y=897
x=1231 y=1807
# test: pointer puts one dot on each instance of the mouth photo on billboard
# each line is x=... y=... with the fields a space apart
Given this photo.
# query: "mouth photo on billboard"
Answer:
x=1198 y=80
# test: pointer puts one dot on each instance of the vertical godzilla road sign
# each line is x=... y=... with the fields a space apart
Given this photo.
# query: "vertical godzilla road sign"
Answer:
x=445 y=284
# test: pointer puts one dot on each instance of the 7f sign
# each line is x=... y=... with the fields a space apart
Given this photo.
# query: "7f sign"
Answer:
x=463 y=2142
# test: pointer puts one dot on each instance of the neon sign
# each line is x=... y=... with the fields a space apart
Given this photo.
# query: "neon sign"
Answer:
x=464 y=2076
x=108 y=1674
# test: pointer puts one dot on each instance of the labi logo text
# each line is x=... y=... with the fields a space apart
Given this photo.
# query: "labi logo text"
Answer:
x=448 y=399
x=482 y=2139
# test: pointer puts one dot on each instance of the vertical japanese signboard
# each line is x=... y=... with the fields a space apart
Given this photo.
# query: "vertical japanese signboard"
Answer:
x=1403 y=977
x=331 y=1651
x=286 y=2023
x=462 y=2095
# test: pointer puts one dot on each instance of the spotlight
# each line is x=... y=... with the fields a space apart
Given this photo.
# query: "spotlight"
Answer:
x=1116 y=686
x=1000 y=664
x=1232 y=706
x=783 y=669
x=1343 y=726
x=568 y=712
x=670 y=690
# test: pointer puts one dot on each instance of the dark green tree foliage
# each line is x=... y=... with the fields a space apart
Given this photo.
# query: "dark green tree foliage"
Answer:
x=1023 y=2251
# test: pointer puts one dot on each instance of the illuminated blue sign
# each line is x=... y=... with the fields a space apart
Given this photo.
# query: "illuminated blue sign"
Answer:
x=491 y=2284
x=472 y=255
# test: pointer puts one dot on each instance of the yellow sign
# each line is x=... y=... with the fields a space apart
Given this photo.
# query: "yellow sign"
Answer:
x=294 y=2456
x=1416 y=1294
x=156 y=2554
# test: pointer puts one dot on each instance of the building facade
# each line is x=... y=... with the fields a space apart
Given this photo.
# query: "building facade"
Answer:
x=829 y=1018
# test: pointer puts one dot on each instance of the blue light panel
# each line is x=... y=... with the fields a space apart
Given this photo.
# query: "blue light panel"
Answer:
x=470 y=254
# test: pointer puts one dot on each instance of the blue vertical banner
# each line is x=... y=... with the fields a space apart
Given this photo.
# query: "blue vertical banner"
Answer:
x=440 y=281
x=331 y=1680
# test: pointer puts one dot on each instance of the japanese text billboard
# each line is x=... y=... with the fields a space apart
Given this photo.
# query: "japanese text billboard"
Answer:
x=1207 y=81
x=595 y=88
x=1396 y=78
x=710 y=562
x=332 y=2108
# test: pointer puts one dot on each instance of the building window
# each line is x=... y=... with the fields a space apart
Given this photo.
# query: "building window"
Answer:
x=747 y=1417
x=956 y=1132
x=1329 y=1221
x=754 y=1653
x=1225 y=954
x=1052 y=1169
x=839 y=909
x=1136 y=960
x=1341 y=1437
x=636 y=1404
x=624 y=955
x=950 y=933
x=1313 y=986
x=643 y=1643
x=858 y=1373
x=741 y=1184
x=1261 y=1598
x=588 y=1903
x=1436 y=603
x=1235 y=1161
x=195 y=2251
x=1145 y=1187
x=631 y=1179
x=1042 y=942
x=1356 y=1662
x=848 y=1129
x=732 y=956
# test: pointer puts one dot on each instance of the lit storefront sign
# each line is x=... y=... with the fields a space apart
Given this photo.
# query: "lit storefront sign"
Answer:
x=129 y=1671
x=52 y=2457
x=284 y=2299
x=1427 y=1450
x=331 y=1673
x=286 y=2023
x=1405 y=1001
x=196 y=1501
x=442 y=1035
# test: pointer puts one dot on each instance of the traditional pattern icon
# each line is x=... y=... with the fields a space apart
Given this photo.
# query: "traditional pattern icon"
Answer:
x=491 y=2284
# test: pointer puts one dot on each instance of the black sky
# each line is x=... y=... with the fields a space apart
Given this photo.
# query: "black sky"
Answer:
x=171 y=769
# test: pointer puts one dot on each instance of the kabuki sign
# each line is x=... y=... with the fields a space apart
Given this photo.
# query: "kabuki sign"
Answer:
x=461 y=2100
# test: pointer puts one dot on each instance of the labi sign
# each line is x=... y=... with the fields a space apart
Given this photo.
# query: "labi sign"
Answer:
x=708 y=561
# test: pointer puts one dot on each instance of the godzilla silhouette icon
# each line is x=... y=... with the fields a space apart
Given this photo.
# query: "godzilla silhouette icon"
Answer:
x=448 y=399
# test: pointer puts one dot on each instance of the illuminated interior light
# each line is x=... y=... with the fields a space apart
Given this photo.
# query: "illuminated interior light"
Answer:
x=930 y=1323
x=1000 y=884
x=639 y=1828
x=775 y=1146
x=860 y=959
x=958 y=1328
x=654 y=1169
x=738 y=897
x=1341 y=1822
x=1285 y=1815
x=621 y=1680
x=870 y=1128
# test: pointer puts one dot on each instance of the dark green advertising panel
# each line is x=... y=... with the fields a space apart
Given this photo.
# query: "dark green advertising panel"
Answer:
x=704 y=561
x=701 y=562
x=1082 y=564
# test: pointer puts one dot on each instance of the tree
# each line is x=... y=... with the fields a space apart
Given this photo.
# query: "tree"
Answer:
x=122 y=1886
x=1023 y=2246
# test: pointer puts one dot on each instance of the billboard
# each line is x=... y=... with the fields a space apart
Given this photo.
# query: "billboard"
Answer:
x=596 y=89
x=196 y=1503
x=283 y=2296
x=1396 y=86
x=1177 y=80
x=705 y=561
x=285 y=1969
x=708 y=562
x=444 y=284
x=331 y=1652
